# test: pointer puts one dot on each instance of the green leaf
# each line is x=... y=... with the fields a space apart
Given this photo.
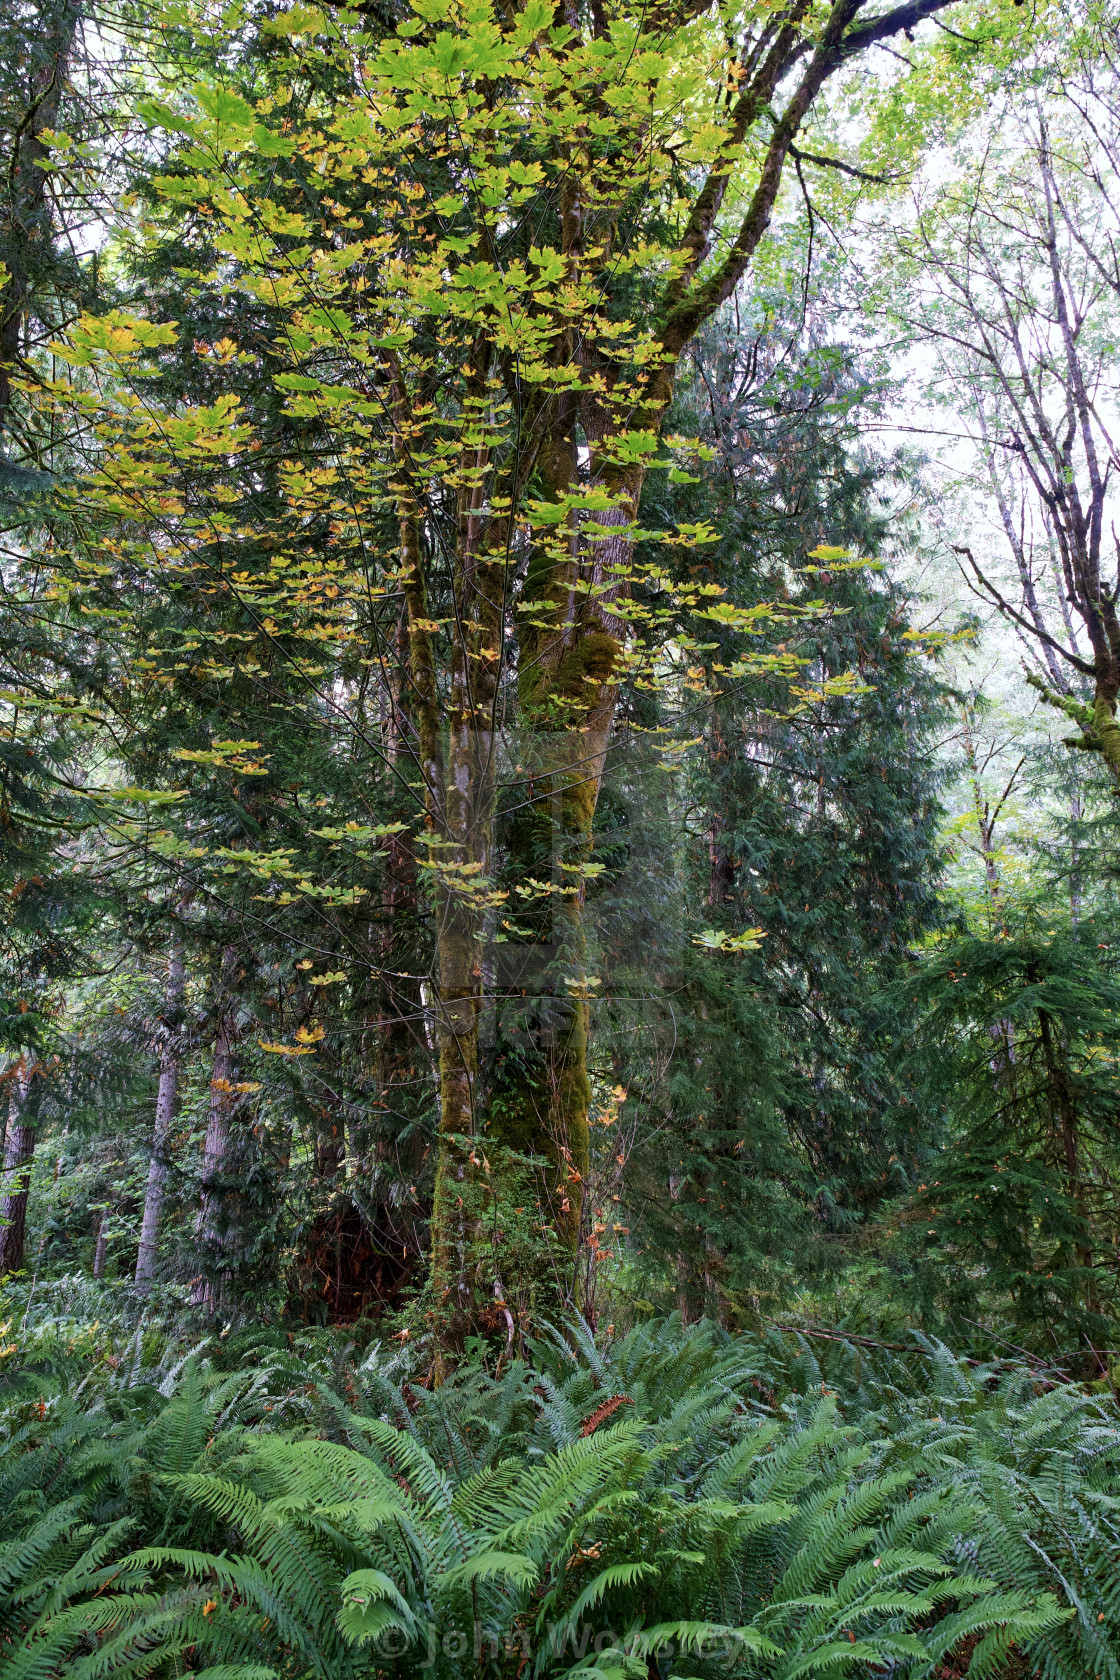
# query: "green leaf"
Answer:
x=225 y=106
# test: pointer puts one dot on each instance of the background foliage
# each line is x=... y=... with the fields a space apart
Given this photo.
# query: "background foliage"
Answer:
x=558 y=764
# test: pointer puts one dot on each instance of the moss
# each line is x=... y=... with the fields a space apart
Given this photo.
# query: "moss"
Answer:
x=578 y=807
x=589 y=660
x=544 y=1111
x=1108 y=732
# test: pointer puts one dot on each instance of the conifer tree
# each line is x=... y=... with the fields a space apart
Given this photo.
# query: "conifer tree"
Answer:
x=786 y=1114
x=1020 y=1209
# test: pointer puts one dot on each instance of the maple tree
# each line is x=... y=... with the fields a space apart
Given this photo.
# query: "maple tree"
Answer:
x=475 y=270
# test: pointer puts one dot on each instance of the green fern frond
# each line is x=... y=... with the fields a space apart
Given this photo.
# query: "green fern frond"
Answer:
x=487 y=1566
x=371 y=1602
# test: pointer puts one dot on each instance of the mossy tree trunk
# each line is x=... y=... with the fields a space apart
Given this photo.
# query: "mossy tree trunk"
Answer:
x=580 y=412
x=457 y=767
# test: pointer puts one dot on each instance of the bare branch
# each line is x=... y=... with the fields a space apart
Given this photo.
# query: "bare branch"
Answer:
x=1005 y=607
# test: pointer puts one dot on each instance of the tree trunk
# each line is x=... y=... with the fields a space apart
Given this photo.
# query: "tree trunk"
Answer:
x=101 y=1246
x=460 y=1001
x=569 y=662
x=1061 y=1104
x=29 y=231
x=1076 y=813
x=401 y=1048
x=18 y=1157
x=449 y=833
x=568 y=690
x=211 y=1226
x=460 y=869
x=166 y=1100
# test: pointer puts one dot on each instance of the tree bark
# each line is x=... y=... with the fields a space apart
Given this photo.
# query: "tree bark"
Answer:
x=211 y=1226
x=101 y=1246
x=459 y=784
x=18 y=1158
x=460 y=870
x=401 y=1047
x=28 y=233
x=167 y=1094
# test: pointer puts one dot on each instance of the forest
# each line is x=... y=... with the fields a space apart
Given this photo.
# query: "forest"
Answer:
x=559 y=839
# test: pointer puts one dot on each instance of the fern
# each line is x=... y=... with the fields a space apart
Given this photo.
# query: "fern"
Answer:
x=269 y=1522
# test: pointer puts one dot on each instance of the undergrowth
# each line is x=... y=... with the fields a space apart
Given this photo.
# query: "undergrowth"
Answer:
x=671 y=1502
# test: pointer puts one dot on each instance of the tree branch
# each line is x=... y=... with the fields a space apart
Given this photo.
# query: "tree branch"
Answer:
x=686 y=314
x=799 y=156
x=891 y=23
x=1005 y=607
